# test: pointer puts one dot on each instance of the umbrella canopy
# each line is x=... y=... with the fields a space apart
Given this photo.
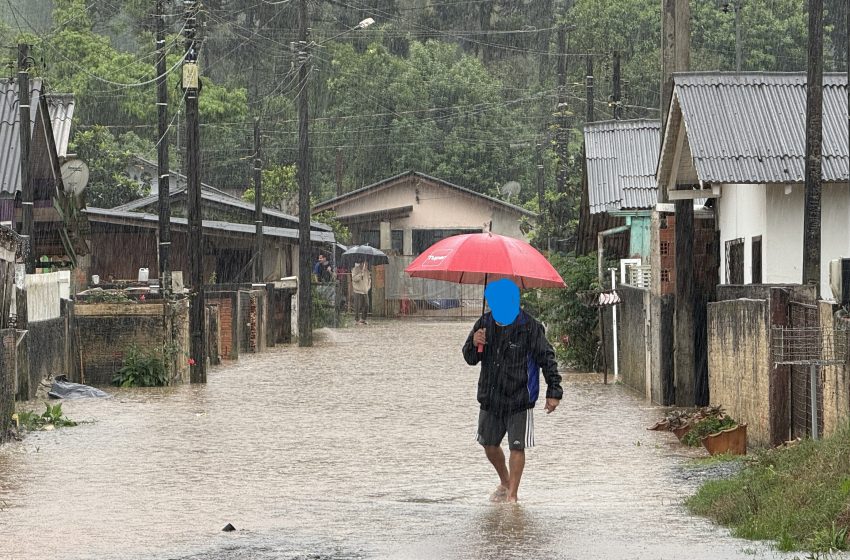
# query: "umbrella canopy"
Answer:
x=360 y=253
x=478 y=258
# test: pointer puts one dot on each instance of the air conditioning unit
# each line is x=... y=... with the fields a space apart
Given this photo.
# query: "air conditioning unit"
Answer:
x=839 y=280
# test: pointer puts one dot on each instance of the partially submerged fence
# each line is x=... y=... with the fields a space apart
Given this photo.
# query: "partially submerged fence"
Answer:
x=422 y=296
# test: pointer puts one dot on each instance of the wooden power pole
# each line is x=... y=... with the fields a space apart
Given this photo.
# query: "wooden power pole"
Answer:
x=25 y=137
x=814 y=133
x=305 y=297
x=563 y=132
x=191 y=83
x=162 y=155
x=259 y=273
x=588 y=118
x=616 y=95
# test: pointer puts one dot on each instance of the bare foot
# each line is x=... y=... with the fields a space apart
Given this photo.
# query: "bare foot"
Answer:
x=500 y=494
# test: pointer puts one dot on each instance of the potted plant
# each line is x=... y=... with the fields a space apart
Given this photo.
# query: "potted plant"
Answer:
x=719 y=434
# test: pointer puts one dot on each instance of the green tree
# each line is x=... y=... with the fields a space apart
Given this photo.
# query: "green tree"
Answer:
x=280 y=189
x=109 y=185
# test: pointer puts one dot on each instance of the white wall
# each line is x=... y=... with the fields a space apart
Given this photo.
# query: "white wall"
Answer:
x=741 y=212
x=783 y=250
x=44 y=292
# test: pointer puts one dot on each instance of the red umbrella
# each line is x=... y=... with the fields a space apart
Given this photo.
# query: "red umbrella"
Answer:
x=476 y=258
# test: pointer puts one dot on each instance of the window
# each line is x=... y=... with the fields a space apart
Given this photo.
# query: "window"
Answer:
x=371 y=237
x=735 y=261
x=756 y=254
x=665 y=275
x=424 y=238
x=665 y=248
x=397 y=244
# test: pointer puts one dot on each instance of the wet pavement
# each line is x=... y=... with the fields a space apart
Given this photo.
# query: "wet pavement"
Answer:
x=361 y=447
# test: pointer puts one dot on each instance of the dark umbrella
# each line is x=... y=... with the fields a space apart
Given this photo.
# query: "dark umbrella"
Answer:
x=360 y=253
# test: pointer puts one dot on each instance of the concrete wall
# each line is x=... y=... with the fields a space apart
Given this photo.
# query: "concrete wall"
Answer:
x=836 y=381
x=8 y=365
x=739 y=363
x=632 y=318
x=46 y=348
x=107 y=331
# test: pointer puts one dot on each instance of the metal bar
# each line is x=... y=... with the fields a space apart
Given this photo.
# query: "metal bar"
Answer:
x=813 y=389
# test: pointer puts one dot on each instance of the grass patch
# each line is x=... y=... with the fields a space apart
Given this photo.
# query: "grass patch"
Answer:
x=798 y=496
x=711 y=460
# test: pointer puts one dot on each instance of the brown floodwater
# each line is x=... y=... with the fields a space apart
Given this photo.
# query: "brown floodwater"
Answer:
x=360 y=447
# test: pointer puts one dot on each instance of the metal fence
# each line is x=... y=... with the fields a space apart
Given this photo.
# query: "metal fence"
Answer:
x=423 y=296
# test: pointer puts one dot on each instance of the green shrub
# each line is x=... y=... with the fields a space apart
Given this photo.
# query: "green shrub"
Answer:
x=51 y=418
x=571 y=326
x=141 y=369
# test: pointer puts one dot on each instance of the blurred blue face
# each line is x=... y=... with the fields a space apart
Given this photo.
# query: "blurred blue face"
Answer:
x=503 y=298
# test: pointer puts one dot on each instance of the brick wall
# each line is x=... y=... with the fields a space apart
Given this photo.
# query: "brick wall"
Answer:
x=228 y=310
x=705 y=265
x=107 y=331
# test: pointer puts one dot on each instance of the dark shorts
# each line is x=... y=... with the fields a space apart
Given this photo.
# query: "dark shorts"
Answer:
x=519 y=427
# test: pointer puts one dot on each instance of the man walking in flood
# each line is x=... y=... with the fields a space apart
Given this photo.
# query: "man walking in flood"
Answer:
x=512 y=349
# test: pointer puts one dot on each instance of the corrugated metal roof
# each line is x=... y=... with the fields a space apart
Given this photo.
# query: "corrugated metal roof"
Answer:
x=61 y=110
x=621 y=160
x=142 y=218
x=750 y=127
x=214 y=195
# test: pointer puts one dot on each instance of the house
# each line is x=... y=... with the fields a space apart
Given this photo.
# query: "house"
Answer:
x=740 y=139
x=58 y=226
x=229 y=247
x=411 y=211
x=217 y=205
x=619 y=187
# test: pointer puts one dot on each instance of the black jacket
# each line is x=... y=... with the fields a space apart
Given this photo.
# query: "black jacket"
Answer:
x=510 y=367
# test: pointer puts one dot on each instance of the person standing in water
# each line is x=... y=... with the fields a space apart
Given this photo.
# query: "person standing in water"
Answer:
x=512 y=349
x=361 y=283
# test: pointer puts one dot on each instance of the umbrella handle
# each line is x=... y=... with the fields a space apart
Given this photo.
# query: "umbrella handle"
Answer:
x=480 y=348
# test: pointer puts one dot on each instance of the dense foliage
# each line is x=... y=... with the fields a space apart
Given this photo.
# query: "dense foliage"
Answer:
x=460 y=90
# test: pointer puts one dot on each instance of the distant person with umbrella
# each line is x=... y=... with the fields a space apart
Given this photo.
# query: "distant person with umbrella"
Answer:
x=361 y=279
x=512 y=348
x=361 y=283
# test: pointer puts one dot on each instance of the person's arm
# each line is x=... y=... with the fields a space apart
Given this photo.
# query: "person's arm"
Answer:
x=470 y=349
x=544 y=355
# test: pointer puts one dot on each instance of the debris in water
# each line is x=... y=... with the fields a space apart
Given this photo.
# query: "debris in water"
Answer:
x=229 y=528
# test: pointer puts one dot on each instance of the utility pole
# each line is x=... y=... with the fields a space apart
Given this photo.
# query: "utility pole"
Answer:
x=305 y=296
x=563 y=132
x=814 y=133
x=26 y=178
x=615 y=87
x=668 y=65
x=162 y=156
x=191 y=84
x=589 y=91
x=259 y=273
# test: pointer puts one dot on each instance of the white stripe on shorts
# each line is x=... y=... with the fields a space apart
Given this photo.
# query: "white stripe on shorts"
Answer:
x=529 y=428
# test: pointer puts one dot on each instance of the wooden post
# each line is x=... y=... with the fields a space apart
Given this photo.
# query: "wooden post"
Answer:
x=162 y=156
x=563 y=132
x=259 y=272
x=616 y=97
x=191 y=83
x=588 y=118
x=25 y=138
x=684 y=338
x=814 y=133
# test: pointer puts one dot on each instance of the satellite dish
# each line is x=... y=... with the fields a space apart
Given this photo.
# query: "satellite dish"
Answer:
x=75 y=175
x=510 y=190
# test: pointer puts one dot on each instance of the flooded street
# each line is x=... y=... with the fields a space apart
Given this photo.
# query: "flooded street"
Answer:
x=361 y=447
